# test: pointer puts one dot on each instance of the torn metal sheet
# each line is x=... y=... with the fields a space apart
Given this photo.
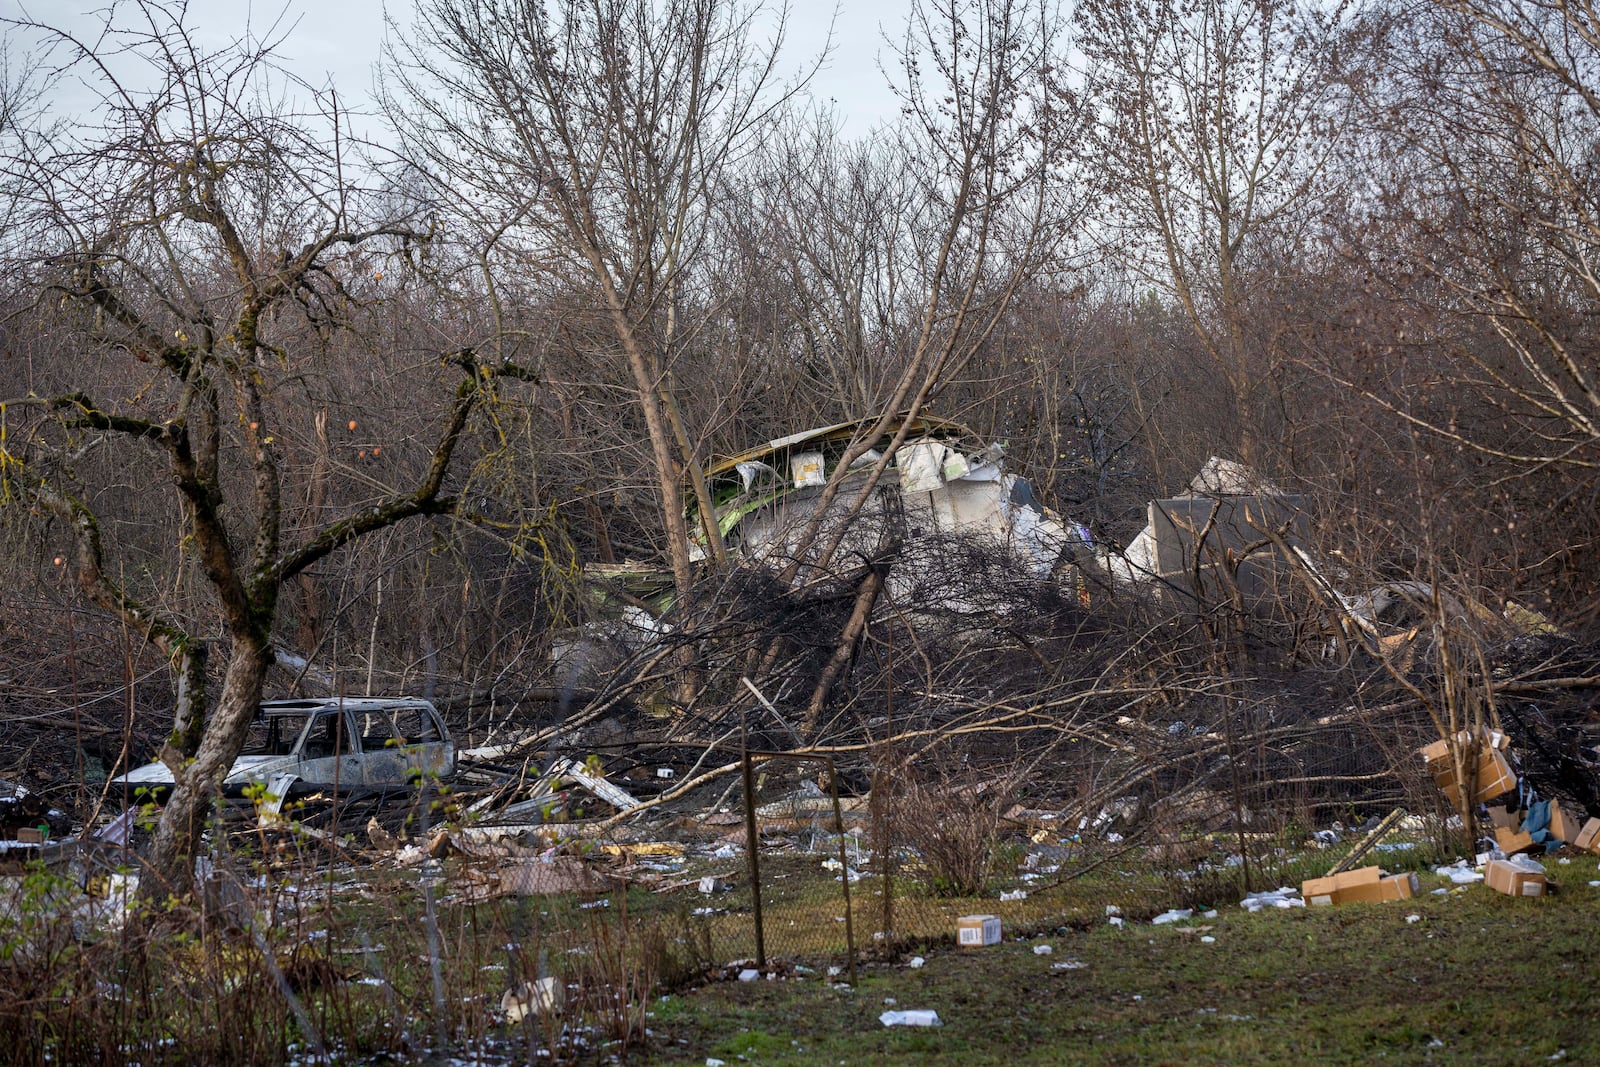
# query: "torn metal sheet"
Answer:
x=616 y=796
x=1229 y=521
x=764 y=496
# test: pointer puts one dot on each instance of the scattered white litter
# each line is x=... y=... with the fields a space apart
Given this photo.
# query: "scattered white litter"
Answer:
x=1042 y=950
x=1459 y=873
x=1212 y=914
x=1115 y=920
x=1565 y=861
x=712 y=1061
x=916 y=962
x=1015 y=894
x=914 y=1017
x=547 y=996
x=1112 y=909
x=1208 y=939
x=749 y=974
x=1173 y=915
x=1413 y=918
x=1282 y=897
x=1069 y=965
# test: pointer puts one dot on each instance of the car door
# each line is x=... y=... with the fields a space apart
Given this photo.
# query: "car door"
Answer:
x=429 y=751
x=330 y=752
x=383 y=748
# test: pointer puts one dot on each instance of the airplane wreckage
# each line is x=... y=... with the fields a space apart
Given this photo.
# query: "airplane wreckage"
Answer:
x=1230 y=534
x=941 y=480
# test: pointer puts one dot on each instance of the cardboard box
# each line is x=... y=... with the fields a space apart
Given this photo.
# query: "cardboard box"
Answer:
x=1494 y=777
x=1365 y=885
x=1588 y=838
x=30 y=835
x=1395 y=887
x=1319 y=892
x=1469 y=739
x=1436 y=752
x=977 y=931
x=1515 y=879
x=1359 y=876
x=1512 y=842
x=1564 y=826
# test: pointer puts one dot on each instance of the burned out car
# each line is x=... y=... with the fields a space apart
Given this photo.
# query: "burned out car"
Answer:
x=346 y=743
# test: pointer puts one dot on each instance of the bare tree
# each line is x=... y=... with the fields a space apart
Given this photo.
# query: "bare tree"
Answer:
x=186 y=244
x=988 y=143
x=599 y=133
x=1216 y=124
x=1488 y=113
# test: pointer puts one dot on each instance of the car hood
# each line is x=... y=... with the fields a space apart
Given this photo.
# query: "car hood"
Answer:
x=245 y=768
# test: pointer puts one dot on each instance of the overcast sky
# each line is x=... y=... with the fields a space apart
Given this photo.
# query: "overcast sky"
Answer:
x=344 y=39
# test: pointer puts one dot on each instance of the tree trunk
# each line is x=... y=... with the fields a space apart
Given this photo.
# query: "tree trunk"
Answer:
x=189 y=716
x=170 y=866
x=849 y=638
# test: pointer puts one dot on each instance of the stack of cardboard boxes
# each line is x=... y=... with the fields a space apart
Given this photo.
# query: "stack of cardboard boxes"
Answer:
x=1486 y=750
x=1490 y=777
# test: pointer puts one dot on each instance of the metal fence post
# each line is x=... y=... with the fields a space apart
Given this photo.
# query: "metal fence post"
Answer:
x=752 y=849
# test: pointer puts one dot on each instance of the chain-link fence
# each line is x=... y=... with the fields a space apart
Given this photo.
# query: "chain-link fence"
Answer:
x=808 y=872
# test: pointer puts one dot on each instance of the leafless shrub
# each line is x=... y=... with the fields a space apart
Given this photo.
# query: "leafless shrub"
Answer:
x=956 y=827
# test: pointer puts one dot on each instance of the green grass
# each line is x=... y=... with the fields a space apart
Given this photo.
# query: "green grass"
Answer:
x=1480 y=978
